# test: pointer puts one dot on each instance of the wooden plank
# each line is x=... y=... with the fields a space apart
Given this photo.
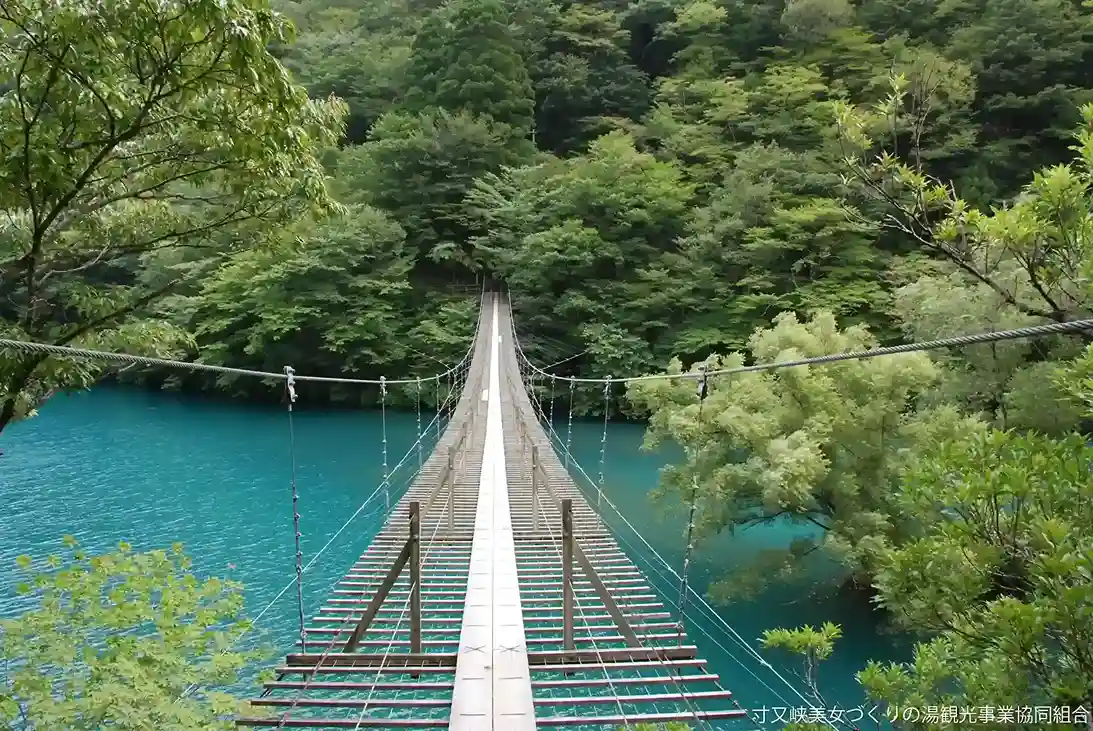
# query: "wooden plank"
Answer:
x=353 y=723
x=493 y=681
x=636 y=718
x=397 y=660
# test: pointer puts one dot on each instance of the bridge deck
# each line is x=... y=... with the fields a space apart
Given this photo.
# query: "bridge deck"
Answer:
x=488 y=646
x=492 y=681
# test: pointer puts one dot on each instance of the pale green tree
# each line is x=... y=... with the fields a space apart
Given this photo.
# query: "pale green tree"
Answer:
x=1016 y=265
x=124 y=640
x=820 y=445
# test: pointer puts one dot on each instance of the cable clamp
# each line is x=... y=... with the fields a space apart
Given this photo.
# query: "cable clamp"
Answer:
x=290 y=376
x=702 y=382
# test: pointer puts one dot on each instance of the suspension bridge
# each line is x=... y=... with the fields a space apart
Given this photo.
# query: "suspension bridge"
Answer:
x=496 y=595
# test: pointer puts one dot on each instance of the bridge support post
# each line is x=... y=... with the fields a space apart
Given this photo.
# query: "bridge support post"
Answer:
x=414 y=543
x=451 y=489
x=534 y=488
x=567 y=575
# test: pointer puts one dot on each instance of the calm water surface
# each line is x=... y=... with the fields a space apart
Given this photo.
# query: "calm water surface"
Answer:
x=152 y=469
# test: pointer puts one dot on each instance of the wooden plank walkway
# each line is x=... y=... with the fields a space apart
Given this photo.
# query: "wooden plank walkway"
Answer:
x=514 y=608
x=492 y=680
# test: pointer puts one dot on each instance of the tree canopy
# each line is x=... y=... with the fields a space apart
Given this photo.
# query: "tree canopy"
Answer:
x=664 y=187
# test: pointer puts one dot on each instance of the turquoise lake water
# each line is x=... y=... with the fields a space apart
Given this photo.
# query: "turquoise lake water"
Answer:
x=152 y=468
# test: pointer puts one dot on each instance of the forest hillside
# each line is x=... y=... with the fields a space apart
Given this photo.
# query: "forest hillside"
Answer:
x=661 y=184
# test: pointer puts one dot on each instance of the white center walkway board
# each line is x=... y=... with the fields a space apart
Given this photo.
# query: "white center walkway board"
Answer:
x=492 y=680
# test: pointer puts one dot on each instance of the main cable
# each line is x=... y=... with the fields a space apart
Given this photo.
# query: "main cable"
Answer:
x=1052 y=328
x=28 y=346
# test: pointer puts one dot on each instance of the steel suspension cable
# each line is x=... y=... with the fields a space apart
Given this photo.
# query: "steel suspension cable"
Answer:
x=383 y=422
x=394 y=632
x=569 y=428
x=603 y=439
x=692 y=709
x=1052 y=328
x=27 y=346
x=290 y=398
x=330 y=541
x=556 y=542
x=679 y=686
x=689 y=548
x=710 y=613
x=554 y=435
x=341 y=627
x=703 y=603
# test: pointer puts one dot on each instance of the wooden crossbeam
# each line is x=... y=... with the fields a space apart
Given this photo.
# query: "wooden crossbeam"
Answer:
x=408 y=554
x=570 y=549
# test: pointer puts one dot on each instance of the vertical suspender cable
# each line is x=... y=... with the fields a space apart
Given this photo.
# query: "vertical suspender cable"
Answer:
x=550 y=419
x=683 y=588
x=603 y=440
x=438 y=415
x=290 y=391
x=448 y=395
x=569 y=429
x=420 y=446
x=383 y=421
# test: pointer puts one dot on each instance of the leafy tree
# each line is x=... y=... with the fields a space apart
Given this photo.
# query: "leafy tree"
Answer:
x=129 y=128
x=120 y=640
x=1032 y=253
x=1015 y=266
x=603 y=219
x=357 y=50
x=420 y=168
x=812 y=645
x=1030 y=59
x=819 y=446
x=583 y=77
x=1008 y=383
x=768 y=241
x=334 y=296
x=998 y=575
x=467 y=59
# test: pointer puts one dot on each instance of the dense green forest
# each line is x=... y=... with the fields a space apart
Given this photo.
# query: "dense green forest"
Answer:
x=660 y=183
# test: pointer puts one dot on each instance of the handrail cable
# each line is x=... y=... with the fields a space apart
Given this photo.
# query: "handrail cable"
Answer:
x=28 y=346
x=732 y=632
x=1051 y=328
x=709 y=613
x=330 y=542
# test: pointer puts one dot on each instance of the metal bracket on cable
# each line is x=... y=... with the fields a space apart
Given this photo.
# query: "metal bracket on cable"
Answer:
x=290 y=384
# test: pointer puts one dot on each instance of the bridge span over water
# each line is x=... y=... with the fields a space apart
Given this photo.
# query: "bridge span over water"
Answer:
x=494 y=597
